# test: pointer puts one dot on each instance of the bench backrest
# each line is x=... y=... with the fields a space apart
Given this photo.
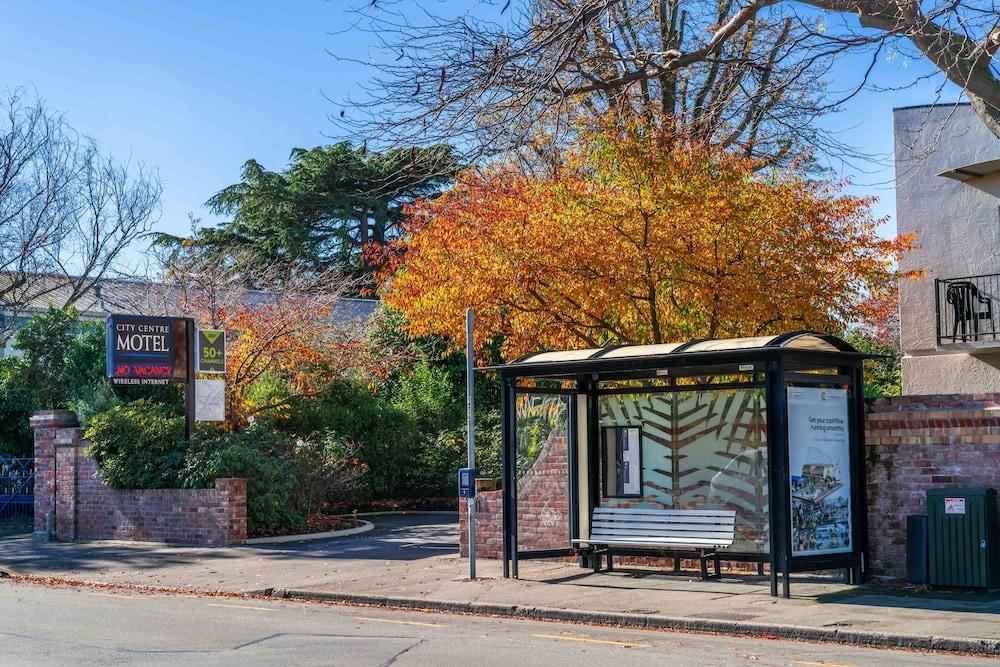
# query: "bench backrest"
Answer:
x=638 y=525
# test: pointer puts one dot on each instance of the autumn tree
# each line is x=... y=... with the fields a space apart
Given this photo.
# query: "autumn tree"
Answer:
x=639 y=238
x=292 y=335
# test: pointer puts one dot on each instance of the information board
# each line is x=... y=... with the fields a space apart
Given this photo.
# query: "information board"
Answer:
x=819 y=470
x=210 y=400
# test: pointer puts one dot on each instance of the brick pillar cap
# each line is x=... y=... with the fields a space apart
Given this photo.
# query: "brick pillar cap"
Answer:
x=54 y=419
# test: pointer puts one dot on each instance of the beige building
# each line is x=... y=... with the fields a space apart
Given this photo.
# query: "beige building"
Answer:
x=948 y=193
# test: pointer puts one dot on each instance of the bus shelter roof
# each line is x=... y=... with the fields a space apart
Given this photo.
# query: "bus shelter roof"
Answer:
x=702 y=352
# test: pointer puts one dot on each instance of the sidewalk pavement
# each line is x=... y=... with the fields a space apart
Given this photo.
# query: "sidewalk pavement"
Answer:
x=411 y=561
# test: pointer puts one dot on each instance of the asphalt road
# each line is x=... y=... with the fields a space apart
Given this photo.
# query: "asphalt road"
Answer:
x=72 y=626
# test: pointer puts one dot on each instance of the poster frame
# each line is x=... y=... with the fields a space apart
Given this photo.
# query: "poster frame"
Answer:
x=604 y=458
x=847 y=559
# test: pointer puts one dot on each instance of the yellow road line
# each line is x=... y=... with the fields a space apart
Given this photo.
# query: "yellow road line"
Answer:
x=389 y=620
x=626 y=644
x=821 y=663
x=115 y=595
x=243 y=606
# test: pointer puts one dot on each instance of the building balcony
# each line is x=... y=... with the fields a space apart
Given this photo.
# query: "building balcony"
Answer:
x=968 y=310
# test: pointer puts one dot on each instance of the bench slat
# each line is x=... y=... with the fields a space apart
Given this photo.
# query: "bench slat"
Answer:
x=648 y=522
x=663 y=513
x=680 y=544
x=665 y=535
x=654 y=532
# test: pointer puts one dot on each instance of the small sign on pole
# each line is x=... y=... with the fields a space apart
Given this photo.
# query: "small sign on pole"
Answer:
x=210 y=401
x=211 y=351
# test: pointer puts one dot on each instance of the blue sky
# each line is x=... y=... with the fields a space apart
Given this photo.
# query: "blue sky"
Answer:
x=197 y=88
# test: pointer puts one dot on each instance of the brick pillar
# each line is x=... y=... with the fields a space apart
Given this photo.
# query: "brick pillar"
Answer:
x=57 y=439
x=234 y=500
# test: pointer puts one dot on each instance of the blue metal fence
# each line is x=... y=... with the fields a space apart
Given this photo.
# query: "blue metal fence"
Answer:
x=17 y=491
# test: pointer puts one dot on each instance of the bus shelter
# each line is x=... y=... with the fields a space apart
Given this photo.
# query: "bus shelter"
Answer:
x=767 y=431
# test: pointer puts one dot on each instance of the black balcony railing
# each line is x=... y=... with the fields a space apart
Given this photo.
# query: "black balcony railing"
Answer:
x=967 y=309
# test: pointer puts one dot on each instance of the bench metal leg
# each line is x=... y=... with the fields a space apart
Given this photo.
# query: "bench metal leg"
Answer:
x=677 y=564
x=704 y=566
x=611 y=561
x=718 y=566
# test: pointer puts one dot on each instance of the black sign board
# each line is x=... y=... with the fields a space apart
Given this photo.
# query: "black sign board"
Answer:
x=144 y=350
x=211 y=353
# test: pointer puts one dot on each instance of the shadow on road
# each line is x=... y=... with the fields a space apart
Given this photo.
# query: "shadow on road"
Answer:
x=395 y=538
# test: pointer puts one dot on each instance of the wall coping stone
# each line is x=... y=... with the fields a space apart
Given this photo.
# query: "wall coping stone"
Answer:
x=54 y=419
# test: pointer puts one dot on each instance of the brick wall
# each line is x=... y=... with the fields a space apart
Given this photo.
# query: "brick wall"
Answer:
x=542 y=506
x=913 y=443
x=919 y=442
x=83 y=507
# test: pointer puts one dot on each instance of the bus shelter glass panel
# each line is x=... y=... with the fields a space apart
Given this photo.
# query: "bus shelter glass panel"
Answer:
x=541 y=447
x=704 y=449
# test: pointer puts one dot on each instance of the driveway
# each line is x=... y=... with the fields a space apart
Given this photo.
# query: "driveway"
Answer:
x=396 y=545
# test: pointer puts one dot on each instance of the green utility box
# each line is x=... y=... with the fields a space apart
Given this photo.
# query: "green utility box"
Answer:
x=962 y=538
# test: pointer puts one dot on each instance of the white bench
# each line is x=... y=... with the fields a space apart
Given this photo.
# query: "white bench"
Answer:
x=701 y=531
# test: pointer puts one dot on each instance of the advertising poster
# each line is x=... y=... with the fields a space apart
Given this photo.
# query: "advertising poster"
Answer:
x=210 y=354
x=819 y=469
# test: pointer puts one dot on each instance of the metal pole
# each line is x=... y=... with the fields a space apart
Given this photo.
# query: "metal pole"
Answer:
x=470 y=405
x=189 y=389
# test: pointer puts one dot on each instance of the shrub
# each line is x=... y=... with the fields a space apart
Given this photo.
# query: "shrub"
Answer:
x=260 y=456
x=385 y=438
x=428 y=395
x=437 y=472
x=328 y=470
x=100 y=399
x=16 y=407
x=138 y=446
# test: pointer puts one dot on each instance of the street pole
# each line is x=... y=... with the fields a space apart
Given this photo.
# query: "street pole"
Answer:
x=190 y=331
x=470 y=407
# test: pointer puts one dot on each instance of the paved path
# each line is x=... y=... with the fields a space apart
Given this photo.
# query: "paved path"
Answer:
x=66 y=626
x=414 y=557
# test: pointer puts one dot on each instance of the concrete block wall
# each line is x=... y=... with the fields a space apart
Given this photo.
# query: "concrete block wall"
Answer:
x=83 y=507
x=913 y=443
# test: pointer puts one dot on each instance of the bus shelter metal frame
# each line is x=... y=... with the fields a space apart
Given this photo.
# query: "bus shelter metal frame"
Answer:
x=774 y=367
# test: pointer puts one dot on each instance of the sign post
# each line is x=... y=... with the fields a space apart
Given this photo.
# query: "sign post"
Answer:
x=471 y=428
x=190 y=389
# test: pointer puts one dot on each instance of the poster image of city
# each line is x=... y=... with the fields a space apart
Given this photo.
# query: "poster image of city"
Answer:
x=819 y=469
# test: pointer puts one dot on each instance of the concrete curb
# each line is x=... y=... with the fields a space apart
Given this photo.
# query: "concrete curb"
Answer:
x=453 y=513
x=987 y=647
x=283 y=539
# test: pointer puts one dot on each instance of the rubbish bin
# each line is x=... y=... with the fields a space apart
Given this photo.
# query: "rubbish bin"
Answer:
x=962 y=538
x=916 y=549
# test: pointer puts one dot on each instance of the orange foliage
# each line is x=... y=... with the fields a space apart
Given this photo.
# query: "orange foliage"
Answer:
x=639 y=238
x=290 y=337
